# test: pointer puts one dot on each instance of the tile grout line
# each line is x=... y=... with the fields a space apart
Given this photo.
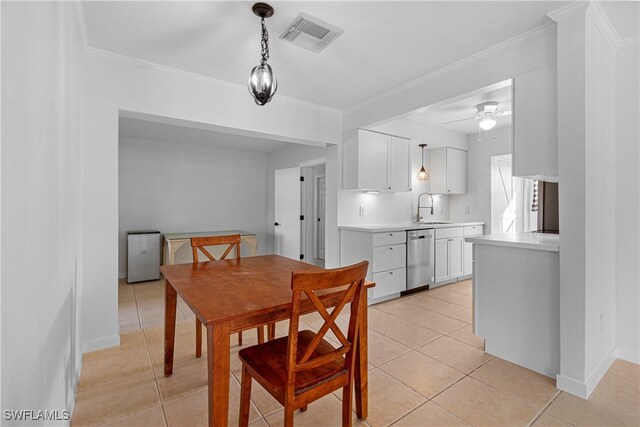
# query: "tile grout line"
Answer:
x=544 y=408
x=155 y=380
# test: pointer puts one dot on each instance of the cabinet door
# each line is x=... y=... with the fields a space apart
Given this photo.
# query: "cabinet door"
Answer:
x=467 y=259
x=400 y=164
x=535 y=128
x=438 y=169
x=456 y=171
x=389 y=257
x=455 y=257
x=373 y=160
x=442 y=260
x=389 y=283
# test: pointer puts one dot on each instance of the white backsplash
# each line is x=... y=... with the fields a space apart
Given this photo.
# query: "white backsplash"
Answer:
x=384 y=208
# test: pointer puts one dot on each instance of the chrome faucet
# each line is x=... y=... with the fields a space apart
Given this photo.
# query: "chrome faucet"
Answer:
x=424 y=207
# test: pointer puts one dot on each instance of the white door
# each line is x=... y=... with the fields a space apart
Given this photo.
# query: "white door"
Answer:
x=287 y=212
x=455 y=257
x=321 y=206
x=442 y=260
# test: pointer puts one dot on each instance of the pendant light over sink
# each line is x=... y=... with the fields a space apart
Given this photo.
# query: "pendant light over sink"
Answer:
x=262 y=83
x=423 y=175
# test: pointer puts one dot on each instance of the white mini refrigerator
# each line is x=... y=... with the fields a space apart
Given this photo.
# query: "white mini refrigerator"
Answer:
x=143 y=255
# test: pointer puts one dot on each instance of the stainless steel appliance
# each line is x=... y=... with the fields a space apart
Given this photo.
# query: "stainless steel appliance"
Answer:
x=143 y=250
x=420 y=258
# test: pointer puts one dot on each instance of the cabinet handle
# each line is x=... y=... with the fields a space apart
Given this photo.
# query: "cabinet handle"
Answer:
x=391 y=234
x=390 y=249
x=391 y=273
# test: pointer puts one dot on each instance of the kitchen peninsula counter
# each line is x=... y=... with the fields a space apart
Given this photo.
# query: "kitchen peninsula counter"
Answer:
x=404 y=226
x=516 y=298
x=539 y=241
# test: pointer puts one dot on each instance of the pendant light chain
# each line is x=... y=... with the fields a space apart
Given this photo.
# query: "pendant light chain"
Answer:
x=265 y=43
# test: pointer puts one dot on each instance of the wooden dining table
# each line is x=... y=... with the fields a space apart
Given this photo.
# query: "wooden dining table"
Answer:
x=233 y=295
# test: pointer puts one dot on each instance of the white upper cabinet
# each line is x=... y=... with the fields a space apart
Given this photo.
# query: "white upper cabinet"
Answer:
x=376 y=161
x=535 y=125
x=448 y=167
x=400 y=164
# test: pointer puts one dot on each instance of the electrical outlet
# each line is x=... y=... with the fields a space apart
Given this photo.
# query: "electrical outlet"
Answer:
x=361 y=211
x=601 y=322
x=467 y=210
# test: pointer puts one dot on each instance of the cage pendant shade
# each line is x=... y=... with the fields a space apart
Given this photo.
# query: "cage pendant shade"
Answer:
x=424 y=174
x=262 y=83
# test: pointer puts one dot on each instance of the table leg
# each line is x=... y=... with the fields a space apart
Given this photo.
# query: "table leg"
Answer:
x=361 y=377
x=170 y=302
x=218 y=367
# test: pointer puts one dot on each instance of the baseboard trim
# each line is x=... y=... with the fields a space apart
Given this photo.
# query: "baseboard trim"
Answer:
x=584 y=389
x=629 y=355
x=101 y=343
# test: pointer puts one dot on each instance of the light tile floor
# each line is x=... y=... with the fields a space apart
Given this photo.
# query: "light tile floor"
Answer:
x=426 y=368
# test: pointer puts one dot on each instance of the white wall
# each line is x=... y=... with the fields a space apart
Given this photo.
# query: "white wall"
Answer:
x=286 y=157
x=41 y=146
x=586 y=194
x=600 y=185
x=114 y=84
x=478 y=197
x=627 y=204
x=176 y=186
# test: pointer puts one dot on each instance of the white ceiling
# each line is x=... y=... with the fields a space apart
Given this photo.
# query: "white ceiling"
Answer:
x=157 y=131
x=438 y=115
x=385 y=44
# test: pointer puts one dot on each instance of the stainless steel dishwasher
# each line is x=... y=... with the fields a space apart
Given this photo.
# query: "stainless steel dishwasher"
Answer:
x=420 y=258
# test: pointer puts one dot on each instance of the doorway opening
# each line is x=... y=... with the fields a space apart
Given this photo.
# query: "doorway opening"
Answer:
x=513 y=199
x=313 y=209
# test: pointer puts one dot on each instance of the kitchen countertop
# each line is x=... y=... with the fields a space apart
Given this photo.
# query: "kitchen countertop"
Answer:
x=539 y=241
x=403 y=226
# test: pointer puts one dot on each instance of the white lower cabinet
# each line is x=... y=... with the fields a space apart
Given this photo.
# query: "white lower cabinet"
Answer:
x=467 y=257
x=387 y=256
x=449 y=258
x=442 y=260
x=389 y=283
x=455 y=257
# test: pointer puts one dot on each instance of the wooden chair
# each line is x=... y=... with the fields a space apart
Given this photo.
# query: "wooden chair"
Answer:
x=303 y=367
x=199 y=244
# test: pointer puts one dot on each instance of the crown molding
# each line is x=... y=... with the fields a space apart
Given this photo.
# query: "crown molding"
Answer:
x=569 y=10
x=78 y=11
x=631 y=41
x=116 y=57
x=604 y=24
x=533 y=34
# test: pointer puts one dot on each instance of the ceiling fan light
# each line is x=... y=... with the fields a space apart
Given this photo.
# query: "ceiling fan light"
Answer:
x=487 y=123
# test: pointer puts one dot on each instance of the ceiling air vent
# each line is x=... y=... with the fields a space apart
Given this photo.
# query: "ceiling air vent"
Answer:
x=311 y=33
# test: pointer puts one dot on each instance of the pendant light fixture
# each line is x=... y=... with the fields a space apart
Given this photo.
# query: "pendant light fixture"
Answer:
x=262 y=83
x=423 y=175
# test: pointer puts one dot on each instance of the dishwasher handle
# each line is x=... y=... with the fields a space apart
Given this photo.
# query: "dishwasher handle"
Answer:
x=417 y=235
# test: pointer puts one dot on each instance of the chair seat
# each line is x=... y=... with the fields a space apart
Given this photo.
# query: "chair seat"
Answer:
x=267 y=363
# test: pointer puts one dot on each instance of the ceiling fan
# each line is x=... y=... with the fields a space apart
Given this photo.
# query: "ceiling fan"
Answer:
x=487 y=111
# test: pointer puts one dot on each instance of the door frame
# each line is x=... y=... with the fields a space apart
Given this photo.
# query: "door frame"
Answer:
x=316 y=181
x=308 y=242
